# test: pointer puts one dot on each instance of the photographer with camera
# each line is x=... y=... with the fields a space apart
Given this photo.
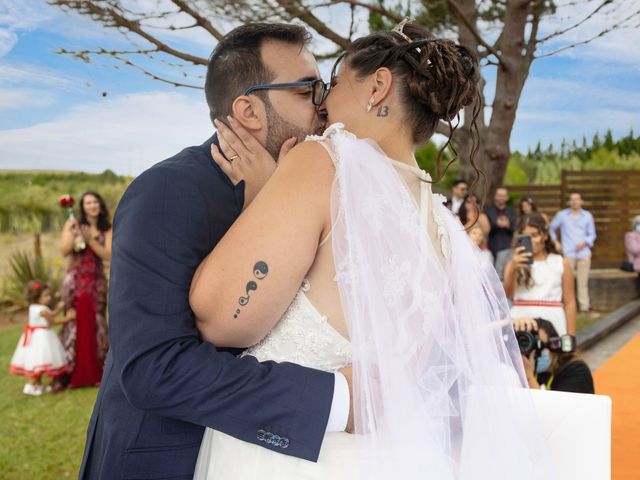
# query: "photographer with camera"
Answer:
x=550 y=360
x=539 y=281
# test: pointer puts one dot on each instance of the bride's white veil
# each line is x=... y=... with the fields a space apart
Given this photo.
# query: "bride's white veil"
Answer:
x=439 y=389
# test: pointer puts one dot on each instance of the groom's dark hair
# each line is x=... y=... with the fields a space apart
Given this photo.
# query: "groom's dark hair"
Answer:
x=236 y=62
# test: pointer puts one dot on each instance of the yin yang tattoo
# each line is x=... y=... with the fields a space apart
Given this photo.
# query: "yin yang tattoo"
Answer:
x=251 y=287
x=260 y=272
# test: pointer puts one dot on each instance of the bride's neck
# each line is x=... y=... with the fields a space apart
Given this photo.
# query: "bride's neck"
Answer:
x=398 y=147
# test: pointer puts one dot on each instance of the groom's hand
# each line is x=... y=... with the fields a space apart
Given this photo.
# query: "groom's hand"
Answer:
x=348 y=373
x=242 y=157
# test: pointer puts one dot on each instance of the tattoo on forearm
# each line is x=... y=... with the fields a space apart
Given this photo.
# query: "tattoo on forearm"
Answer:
x=260 y=271
x=383 y=111
x=251 y=287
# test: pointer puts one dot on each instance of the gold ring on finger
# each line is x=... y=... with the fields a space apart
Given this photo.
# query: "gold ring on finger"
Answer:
x=233 y=157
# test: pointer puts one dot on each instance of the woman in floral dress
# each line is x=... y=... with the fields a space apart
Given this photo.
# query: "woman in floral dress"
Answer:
x=87 y=244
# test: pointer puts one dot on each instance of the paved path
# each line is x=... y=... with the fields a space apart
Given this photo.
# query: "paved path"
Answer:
x=618 y=378
x=604 y=349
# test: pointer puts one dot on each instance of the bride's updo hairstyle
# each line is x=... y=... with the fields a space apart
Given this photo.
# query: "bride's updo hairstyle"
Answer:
x=436 y=78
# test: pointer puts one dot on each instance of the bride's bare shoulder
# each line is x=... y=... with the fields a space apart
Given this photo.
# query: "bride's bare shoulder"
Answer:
x=309 y=156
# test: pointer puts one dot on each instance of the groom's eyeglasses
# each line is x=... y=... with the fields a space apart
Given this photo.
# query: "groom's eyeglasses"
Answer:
x=319 y=89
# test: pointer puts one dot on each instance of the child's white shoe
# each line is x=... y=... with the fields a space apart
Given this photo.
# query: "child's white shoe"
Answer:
x=34 y=390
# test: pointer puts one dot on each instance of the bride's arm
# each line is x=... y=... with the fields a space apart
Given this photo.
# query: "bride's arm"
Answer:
x=245 y=285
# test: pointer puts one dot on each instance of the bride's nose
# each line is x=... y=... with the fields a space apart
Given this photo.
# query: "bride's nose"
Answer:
x=323 y=117
x=322 y=110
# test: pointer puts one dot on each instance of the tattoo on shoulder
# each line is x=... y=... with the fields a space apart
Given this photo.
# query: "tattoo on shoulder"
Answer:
x=383 y=111
x=260 y=271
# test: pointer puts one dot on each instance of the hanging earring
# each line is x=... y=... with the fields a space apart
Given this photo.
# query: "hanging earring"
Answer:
x=370 y=103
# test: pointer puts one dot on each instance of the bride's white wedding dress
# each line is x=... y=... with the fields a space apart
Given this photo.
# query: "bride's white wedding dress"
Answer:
x=437 y=378
x=305 y=337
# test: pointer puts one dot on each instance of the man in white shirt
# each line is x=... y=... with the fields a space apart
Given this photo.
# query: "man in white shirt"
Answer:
x=578 y=234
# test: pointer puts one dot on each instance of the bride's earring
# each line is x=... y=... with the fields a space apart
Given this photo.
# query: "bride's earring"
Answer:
x=370 y=103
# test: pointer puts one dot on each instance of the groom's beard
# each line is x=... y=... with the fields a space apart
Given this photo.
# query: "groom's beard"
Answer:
x=279 y=130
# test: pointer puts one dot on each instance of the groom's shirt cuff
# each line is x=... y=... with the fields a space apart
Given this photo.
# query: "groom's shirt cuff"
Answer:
x=339 y=414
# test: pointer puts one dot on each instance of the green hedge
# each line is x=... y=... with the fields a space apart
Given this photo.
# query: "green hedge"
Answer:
x=29 y=200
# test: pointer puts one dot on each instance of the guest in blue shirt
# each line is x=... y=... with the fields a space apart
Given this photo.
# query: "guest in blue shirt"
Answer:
x=578 y=234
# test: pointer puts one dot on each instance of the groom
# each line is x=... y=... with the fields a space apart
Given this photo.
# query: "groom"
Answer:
x=162 y=384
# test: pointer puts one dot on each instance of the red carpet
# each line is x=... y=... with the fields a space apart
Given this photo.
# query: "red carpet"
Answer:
x=619 y=378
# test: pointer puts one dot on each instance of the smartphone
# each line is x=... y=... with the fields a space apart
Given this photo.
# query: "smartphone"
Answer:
x=525 y=241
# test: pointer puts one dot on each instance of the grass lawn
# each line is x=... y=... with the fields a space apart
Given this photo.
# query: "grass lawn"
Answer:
x=40 y=437
x=43 y=437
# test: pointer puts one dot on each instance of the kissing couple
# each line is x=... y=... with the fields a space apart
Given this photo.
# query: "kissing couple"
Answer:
x=312 y=312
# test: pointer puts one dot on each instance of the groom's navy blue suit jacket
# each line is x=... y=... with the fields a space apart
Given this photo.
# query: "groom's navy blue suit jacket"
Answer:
x=162 y=384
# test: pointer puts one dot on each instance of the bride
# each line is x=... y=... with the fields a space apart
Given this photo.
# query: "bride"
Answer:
x=346 y=257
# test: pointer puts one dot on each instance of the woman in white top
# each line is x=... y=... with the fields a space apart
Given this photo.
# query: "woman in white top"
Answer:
x=544 y=289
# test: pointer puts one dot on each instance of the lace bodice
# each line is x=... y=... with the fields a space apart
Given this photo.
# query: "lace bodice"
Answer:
x=305 y=337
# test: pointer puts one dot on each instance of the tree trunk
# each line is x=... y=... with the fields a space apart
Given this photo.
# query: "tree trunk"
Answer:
x=37 y=245
x=511 y=74
x=462 y=137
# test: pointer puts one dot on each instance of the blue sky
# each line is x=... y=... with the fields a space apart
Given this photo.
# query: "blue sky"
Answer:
x=53 y=114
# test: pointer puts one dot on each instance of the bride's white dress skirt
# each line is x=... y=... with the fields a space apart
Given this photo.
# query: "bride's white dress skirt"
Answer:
x=305 y=337
x=224 y=457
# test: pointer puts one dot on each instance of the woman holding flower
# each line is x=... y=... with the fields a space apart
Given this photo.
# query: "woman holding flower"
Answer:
x=86 y=242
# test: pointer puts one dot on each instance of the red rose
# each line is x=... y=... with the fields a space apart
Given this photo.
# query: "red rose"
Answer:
x=66 y=201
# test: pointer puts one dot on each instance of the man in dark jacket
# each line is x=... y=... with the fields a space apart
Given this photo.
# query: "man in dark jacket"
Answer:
x=502 y=219
x=162 y=384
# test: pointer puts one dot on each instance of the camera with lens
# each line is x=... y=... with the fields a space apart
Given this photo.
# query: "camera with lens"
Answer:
x=530 y=341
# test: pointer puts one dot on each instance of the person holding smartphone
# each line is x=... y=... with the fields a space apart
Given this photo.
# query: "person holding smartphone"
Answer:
x=538 y=280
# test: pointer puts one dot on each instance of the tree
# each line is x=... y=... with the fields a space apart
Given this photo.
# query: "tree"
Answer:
x=608 y=140
x=505 y=34
x=596 y=143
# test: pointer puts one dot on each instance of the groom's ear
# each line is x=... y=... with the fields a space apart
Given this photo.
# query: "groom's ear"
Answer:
x=249 y=112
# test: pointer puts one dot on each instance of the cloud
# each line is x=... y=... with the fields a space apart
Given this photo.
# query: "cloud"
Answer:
x=546 y=93
x=16 y=15
x=552 y=125
x=18 y=98
x=553 y=108
x=126 y=133
x=25 y=86
x=8 y=39
x=20 y=74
